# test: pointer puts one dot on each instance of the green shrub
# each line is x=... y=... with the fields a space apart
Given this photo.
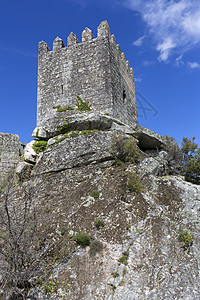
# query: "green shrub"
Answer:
x=115 y=274
x=123 y=259
x=95 y=194
x=124 y=149
x=64 y=128
x=62 y=230
x=82 y=239
x=118 y=162
x=52 y=286
x=61 y=109
x=191 y=160
x=186 y=237
x=95 y=247
x=99 y=223
x=124 y=271
x=39 y=146
x=73 y=133
x=82 y=105
x=134 y=182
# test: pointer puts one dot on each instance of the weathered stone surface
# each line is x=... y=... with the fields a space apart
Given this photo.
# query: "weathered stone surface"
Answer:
x=23 y=170
x=157 y=166
x=74 y=152
x=94 y=70
x=145 y=224
x=29 y=153
x=147 y=138
x=9 y=152
x=76 y=121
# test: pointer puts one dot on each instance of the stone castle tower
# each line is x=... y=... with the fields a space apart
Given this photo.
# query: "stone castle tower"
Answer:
x=94 y=69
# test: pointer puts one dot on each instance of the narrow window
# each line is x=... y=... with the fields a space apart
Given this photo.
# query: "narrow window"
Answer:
x=62 y=89
x=124 y=95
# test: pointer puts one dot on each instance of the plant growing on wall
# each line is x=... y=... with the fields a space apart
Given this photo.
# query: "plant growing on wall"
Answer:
x=82 y=105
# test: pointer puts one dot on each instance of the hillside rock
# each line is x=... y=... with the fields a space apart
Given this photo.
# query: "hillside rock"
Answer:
x=137 y=251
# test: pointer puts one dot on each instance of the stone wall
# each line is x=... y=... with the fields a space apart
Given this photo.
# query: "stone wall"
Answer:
x=94 y=69
x=9 y=152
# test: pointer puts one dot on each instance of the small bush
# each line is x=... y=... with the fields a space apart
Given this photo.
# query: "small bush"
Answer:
x=95 y=194
x=73 y=133
x=95 y=247
x=115 y=274
x=82 y=105
x=62 y=230
x=124 y=271
x=118 y=162
x=134 y=182
x=99 y=223
x=39 y=146
x=65 y=108
x=191 y=160
x=123 y=259
x=82 y=239
x=62 y=129
x=124 y=149
x=186 y=237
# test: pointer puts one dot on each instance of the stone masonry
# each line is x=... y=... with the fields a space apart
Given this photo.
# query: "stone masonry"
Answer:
x=94 y=69
x=9 y=152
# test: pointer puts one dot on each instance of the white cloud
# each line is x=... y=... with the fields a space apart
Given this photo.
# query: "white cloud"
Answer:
x=165 y=48
x=139 y=41
x=174 y=25
x=147 y=63
x=194 y=65
x=138 y=79
x=179 y=61
x=18 y=51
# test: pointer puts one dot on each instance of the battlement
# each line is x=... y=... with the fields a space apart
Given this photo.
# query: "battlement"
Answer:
x=95 y=69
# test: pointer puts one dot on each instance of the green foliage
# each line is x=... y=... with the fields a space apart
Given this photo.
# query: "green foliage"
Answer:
x=115 y=274
x=99 y=223
x=84 y=132
x=118 y=162
x=191 y=160
x=82 y=105
x=62 y=230
x=186 y=237
x=95 y=247
x=95 y=194
x=123 y=259
x=124 y=271
x=64 y=128
x=22 y=157
x=124 y=149
x=61 y=109
x=82 y=239
x=134 y=182
x=71 y=134
x=39 y=146
x=52 y=286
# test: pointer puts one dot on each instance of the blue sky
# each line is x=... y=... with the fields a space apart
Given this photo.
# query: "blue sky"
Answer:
x=160 y=39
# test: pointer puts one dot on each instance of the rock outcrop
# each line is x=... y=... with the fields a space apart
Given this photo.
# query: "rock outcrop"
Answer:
x=137 y=251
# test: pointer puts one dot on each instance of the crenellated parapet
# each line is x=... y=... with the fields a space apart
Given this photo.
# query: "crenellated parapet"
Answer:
x=72 y=39
x=95 y=69
x=87 y=35
x=58 y=44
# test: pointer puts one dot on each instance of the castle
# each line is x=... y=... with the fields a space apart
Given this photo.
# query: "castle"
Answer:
x=94 y=70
